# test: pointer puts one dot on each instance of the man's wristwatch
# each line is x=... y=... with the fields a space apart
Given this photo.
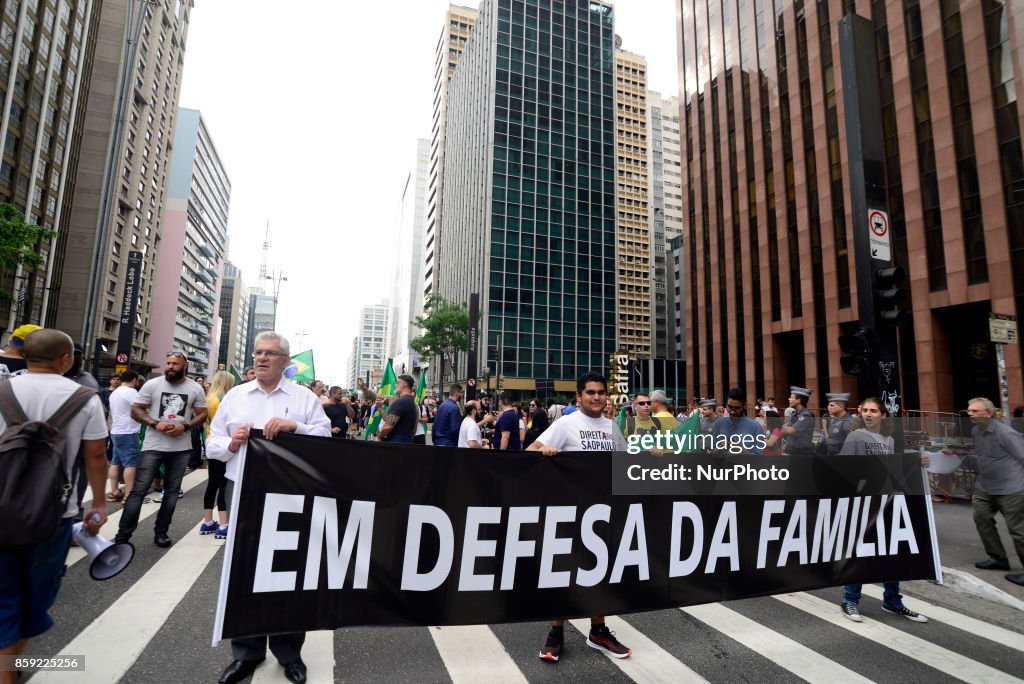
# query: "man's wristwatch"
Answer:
x=154 y=423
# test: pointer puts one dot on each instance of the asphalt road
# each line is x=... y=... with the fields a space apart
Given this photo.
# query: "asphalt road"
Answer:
x=153 y=623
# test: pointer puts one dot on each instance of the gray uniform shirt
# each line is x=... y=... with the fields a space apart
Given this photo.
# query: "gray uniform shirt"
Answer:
x=1000 y=449
x=838 y=429
x=800 y=443
x=170 y=403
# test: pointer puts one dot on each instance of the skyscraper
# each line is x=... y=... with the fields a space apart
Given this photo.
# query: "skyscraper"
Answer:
x=46 y=58
x=529 y=189
x=458 y=25
x=195 y=235
x=769 y=225
x=121 y=187
x=234 y=318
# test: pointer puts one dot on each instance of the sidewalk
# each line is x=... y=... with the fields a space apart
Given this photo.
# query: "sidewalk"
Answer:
x=960 y=547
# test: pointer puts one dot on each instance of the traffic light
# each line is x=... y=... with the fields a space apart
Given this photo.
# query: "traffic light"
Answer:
x=857 y=348
x=889 y=296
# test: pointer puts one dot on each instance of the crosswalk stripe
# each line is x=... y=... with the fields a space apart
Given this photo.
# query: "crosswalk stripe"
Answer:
x=77 y=553
x=783 y=651
x=116 y=638
x=472 y=653
x=977 y=627
x=317 y=653
x=649 y=662
x=943 y=660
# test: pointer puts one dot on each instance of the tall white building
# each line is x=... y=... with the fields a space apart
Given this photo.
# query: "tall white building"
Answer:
x=459 y=22
x=407 y=265
x=666 y=222
x=370 y=347
x=195 y=232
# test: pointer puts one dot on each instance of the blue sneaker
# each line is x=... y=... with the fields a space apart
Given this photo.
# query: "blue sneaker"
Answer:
x=208 y=527
x=221 y=533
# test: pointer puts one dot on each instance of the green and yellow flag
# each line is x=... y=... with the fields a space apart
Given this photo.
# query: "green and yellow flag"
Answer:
x=388 y=382
x=373 y=425
x=236 y=375
x=301 y=368
x=691 y=427
x=621 y=421
x=421 y=388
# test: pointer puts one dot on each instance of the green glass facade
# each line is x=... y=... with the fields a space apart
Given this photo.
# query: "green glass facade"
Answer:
x=549 y=296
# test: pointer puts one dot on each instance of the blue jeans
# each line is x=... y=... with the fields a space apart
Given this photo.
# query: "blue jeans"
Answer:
x=29 y=582
x=174 y=463
x=891 y=597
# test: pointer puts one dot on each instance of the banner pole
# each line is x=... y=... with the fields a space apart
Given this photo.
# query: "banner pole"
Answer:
x=229 y=545
x=931 y=525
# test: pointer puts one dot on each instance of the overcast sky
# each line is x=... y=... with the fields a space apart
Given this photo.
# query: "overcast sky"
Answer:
x=315 y=111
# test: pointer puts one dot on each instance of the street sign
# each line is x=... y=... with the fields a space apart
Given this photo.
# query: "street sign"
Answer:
x=1002 y=328
x=122 y=358
x=120 y=368
x=471 y=382
x=878 y=235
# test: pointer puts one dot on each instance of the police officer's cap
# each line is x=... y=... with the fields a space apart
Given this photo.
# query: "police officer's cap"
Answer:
x=839 y=397
x=800 y=391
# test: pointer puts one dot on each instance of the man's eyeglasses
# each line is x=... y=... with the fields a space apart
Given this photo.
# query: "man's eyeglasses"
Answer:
x=734 y=408
x=268 y=354
x=643 y=403
x=176 y=353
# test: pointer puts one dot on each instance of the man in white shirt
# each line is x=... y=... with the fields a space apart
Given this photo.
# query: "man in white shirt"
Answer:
x=31 y=577
x=124 y=434
x=585 y=429
x=469 y=430
x=275 y=405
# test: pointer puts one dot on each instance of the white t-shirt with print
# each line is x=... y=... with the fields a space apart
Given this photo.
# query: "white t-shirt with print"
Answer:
x=578 y=432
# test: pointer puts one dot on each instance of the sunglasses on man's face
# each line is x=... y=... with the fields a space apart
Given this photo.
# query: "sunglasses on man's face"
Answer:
x=175 y=353
x=643 y=403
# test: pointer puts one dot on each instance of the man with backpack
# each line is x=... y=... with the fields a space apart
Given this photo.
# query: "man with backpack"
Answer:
x=54 y=433
x=642 y=422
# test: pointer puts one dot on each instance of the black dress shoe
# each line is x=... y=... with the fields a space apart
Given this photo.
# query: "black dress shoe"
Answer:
x=1016 y=579
x=992 y=565
x=238 y=670
x=163 y=541
x=295 y=671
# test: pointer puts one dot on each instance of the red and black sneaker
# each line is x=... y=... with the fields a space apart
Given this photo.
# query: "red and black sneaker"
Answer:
x=552 y=649
x=604 y=640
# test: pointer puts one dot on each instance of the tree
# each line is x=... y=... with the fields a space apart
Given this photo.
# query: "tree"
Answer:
x=445 y=328
x=19 y=241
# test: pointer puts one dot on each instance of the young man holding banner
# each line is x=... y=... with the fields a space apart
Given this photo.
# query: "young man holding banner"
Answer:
x=585 y=429
x=275 y=405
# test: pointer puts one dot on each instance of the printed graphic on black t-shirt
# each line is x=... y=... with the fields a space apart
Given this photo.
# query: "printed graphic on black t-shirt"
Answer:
x=172 y=406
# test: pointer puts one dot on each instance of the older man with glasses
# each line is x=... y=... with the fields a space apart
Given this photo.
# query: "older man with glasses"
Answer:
x=169 y=406
x=275 y=405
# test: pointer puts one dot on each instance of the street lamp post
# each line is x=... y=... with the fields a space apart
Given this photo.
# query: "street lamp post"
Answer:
x=275 y=277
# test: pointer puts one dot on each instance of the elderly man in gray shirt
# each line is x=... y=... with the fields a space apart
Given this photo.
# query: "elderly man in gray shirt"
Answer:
x=999 y=487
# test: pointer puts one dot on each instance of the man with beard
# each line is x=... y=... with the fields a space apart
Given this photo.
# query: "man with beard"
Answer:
x=170 y=406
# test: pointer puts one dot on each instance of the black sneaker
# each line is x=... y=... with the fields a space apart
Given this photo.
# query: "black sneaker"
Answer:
x=604 y=640
x=850 y=610
x=551 y=651
x=905 y=612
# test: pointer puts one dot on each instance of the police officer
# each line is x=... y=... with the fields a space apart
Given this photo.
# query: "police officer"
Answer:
x=707 y=415
x=799 y=431
x=838 y=423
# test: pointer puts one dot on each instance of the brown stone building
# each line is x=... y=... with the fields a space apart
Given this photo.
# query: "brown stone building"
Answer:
x=768 y=238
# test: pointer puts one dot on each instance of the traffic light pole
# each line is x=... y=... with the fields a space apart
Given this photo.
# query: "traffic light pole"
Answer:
x=877 y=294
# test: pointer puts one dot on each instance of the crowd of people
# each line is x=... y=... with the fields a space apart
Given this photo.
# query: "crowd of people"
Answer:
x=149 y=434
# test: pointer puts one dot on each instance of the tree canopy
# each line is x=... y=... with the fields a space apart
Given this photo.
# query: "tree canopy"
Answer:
x=19 y=241
x=445 y=328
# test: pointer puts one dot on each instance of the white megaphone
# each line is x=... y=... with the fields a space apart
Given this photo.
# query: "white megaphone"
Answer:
x=108 y=558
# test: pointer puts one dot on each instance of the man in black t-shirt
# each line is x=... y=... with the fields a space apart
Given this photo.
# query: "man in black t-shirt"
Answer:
x=337 y=411
x=506 y=431
x=400 y=422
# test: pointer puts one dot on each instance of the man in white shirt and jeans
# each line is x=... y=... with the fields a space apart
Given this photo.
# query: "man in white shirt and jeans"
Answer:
x=30 y=578
x=275 y=405
x=124 y=434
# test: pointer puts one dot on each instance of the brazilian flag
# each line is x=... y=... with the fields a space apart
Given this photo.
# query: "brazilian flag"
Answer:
x=301 y=368
x=387 y=383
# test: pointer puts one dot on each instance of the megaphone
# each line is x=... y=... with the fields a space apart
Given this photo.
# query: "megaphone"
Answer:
x=108 y=558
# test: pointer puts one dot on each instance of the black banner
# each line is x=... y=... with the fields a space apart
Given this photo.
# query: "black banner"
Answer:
x=331 y=533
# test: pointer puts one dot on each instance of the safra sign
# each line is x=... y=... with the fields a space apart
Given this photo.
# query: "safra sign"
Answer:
x=878 y=235
x=618 y=383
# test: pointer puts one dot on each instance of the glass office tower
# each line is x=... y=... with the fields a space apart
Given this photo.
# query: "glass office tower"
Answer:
x=529 y=190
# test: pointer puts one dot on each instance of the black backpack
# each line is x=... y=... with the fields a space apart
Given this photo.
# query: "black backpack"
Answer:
x=34 y=484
